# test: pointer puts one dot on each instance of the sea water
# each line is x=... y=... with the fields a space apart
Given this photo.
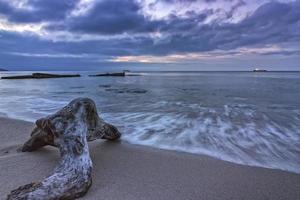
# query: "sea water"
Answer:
x=243 y=117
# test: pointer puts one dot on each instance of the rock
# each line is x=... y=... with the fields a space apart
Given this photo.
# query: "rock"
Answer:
x=136 y=91
x=111 y=74
x=124 y=73
x=115 y=90
x=69 y=129
x=40 y=76
x=105 y=86
x=126 y=90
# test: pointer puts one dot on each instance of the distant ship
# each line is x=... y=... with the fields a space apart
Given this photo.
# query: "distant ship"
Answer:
x=259 y=70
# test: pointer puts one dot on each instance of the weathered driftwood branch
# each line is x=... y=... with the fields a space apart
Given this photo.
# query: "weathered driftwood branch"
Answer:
x=96 y=129
x=68 y=129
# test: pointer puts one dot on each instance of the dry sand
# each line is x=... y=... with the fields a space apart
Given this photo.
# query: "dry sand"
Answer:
x=124 y=171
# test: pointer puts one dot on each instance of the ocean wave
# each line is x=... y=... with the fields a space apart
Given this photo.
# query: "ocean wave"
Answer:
x=30 y=108
x=239 y=133
x=243 y=136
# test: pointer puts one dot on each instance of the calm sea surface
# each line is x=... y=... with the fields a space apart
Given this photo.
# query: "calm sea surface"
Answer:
x=242 y=117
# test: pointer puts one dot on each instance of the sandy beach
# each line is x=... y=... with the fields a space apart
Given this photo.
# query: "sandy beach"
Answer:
x=124 y=171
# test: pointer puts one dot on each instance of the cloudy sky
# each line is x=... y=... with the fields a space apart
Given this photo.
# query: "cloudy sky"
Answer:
x=149 y=34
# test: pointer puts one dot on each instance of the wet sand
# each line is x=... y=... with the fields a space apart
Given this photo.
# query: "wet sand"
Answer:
x=124 y=171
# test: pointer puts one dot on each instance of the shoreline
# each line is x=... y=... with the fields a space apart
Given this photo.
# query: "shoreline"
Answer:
x=11 y=117
x=126 y=171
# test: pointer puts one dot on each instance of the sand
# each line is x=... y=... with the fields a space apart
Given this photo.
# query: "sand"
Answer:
x=125 y=171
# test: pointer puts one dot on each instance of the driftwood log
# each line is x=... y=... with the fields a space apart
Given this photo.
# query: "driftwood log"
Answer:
x=69 y=129
x=96 y=128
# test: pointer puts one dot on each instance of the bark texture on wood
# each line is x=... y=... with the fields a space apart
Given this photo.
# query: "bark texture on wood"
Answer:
x=97 y=128
x=68 y=129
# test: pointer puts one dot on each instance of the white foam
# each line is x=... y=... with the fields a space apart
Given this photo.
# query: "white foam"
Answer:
x=248 y=141
x=238 y=133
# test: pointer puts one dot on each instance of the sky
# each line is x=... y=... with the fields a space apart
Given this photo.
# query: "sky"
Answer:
x=149 y=34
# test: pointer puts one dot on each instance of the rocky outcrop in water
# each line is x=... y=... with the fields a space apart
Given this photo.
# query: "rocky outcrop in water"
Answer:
x=120 y=74
x=119 y=90
x=111 y=74
x=41 y=75
x=126 y=90
x=69 y=129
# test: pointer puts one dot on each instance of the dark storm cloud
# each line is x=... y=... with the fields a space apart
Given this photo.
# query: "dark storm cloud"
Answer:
x=14 y=42
x=236 y=6
x=49 y=10
x=110 y=17
x=271 y=23
x=119 y=16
